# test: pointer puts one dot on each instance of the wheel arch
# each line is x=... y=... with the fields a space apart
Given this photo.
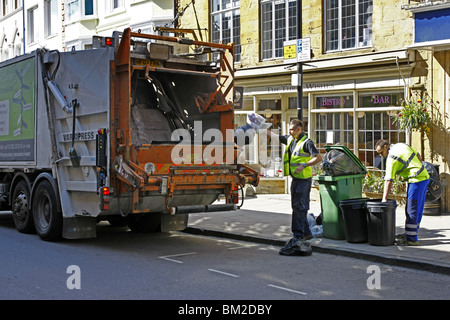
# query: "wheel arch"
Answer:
x=20 y=176
x=46 y=176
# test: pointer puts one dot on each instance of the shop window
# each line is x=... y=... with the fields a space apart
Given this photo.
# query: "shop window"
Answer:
x=293 y=103
x=269 y=105
x=376 y=125
x=333 y=128
x=247 y=104
x=348 y=24
x=292 y=106
x=372 y=127
x=270 y=150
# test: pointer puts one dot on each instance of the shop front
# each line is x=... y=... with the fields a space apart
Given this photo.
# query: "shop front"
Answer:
x=355 y=113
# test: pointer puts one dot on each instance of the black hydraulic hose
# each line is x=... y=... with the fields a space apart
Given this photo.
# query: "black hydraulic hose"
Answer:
x=242 y=196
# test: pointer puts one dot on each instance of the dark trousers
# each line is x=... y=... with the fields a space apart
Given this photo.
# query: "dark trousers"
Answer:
x=300 y=196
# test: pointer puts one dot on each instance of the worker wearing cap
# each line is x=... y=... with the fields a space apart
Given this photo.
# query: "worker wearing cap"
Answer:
x=404 y=161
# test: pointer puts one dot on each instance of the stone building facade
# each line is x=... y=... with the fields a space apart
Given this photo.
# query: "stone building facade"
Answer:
x=366 y=56
x=365 y=59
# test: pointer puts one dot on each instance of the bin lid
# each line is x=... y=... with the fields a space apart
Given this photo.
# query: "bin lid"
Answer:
x=337 y=178
x=348 y=153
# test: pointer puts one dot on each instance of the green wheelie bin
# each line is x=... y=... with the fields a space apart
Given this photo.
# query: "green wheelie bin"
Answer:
x=334 y=188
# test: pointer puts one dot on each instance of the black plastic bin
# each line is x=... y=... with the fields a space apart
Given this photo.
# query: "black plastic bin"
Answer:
x=355 y=220
x=381 y=222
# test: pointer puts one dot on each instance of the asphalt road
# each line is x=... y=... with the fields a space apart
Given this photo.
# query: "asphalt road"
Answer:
x=119 y=264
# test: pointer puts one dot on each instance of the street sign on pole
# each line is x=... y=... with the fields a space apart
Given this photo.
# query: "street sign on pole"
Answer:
x=304 y=49
x=297 y=50
x=290 y=51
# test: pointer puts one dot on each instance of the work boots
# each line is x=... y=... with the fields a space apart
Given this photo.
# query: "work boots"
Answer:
x=296 y=247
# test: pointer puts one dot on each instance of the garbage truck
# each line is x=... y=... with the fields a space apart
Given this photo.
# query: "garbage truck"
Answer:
x=137 y=131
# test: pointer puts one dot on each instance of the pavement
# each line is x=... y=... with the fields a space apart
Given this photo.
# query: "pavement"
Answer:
x=266 y=218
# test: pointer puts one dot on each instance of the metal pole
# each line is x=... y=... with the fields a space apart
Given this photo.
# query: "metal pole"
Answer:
x=23 y=31
x=299 y=64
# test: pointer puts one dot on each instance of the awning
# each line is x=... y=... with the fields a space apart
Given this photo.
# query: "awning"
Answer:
x=439 y=45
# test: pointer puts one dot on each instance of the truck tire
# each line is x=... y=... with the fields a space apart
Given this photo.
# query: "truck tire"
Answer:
x=21 y=209
x=47 y=220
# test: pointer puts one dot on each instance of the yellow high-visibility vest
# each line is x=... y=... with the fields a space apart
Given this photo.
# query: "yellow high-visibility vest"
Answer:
x=402 y=160
x=298 y=156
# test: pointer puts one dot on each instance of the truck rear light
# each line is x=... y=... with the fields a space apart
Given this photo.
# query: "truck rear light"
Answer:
x=235 y=195
x=105 y=206
x=109 y=41
x=104 y=198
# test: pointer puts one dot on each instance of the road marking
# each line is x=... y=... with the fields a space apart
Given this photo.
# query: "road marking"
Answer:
x=224 y=273
x=286 y=289
x=168 y=258
x=244 y=246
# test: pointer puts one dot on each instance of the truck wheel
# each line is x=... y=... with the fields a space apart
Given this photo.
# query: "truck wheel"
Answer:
x=47 y=219
x=145 y=223
x=23 y=219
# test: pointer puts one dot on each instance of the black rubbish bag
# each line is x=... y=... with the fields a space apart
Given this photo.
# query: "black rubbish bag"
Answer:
x=337 y=163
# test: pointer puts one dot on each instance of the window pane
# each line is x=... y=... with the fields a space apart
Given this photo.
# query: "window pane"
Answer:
x=267 y=30
x=215 y=5
x=73 y=10
x=226 y=24
x=269 y=104
x=377 y=100
x=237 y=34
x=332 y=25
x=215 y=28
x=226 y=27
x=280 y=28
x=365 y=22
x=226 y=4
x=348 y=24
x=327 y=102
x=292 y=104
x=292 y=20
x=88 y=7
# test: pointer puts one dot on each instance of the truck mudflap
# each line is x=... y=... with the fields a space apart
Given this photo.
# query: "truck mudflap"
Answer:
x=174 y=222
x=79 y=227
x=177 y=220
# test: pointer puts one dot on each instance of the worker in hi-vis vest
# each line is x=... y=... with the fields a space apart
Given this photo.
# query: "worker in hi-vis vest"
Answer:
x=404 y=161
x=299 y=156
